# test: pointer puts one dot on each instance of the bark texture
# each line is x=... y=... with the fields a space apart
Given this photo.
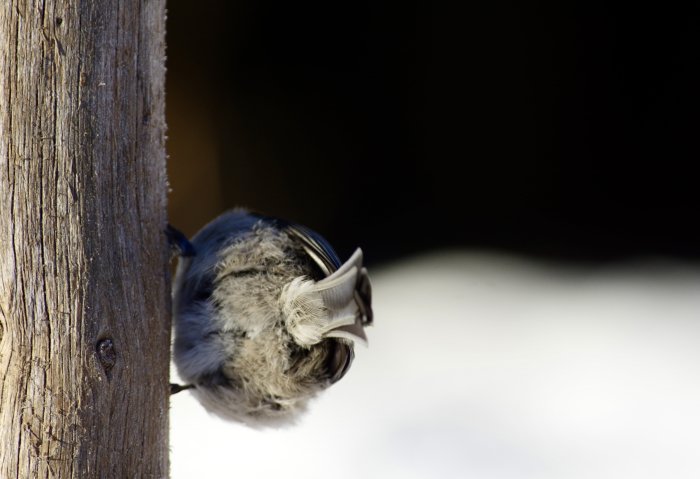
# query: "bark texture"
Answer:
x=84 y=288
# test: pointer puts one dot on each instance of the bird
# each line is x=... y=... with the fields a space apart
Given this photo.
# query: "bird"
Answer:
x=265 y=316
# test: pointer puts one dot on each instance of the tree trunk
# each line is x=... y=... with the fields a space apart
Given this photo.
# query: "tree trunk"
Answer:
x=84 y=287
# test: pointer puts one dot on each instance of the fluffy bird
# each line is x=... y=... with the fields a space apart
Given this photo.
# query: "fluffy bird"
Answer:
x=265 y=316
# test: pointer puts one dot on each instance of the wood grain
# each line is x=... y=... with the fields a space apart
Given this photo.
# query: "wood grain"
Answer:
x=84 y=286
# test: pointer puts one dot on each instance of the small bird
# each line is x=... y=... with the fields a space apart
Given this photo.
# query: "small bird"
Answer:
x=265 y=316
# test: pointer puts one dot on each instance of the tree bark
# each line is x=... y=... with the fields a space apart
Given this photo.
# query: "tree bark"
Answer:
x=84 y=286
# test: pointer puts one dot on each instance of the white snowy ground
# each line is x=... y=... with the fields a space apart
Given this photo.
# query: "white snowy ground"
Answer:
x=488 y=367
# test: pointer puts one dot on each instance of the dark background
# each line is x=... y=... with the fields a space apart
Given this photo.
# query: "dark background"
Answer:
x=568 y=132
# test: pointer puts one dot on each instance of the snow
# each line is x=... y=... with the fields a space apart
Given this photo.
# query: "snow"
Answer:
x=491 y=367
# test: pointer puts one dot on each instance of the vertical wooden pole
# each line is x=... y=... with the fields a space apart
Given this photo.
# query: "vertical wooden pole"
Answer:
x=84 y=288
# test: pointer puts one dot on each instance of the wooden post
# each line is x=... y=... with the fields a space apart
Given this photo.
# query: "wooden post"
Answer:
x=84 y=287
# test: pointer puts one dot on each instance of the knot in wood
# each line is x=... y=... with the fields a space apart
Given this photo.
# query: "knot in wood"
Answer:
x=106 y=354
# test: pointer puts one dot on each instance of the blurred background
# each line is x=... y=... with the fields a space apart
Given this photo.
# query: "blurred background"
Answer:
x=567 y=131
x=521 y=178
